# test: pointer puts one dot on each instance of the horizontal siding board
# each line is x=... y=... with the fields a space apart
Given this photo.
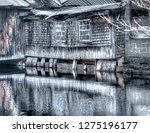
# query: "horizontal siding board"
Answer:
x=104 y=52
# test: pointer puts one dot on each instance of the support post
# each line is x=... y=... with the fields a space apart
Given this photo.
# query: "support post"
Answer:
x=127 y=18
x=74 y=65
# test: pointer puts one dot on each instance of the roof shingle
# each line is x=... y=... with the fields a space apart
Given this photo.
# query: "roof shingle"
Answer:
x=87 y=2
x=15 y=3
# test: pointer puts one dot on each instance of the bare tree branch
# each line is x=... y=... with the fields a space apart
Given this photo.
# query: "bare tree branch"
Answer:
x=145 y=4
x=128 y=27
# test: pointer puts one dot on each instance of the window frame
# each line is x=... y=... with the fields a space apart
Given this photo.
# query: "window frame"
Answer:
x=60 y=31
x=90 y=31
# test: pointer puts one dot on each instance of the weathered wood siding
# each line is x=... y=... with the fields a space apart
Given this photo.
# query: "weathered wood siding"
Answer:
x=10 y=34
x=37 y=33
x=119 y=38
x=101 y=32
x=90 y=52
x=100 y=46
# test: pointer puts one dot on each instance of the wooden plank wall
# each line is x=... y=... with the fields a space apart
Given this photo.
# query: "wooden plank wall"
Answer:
x=119 y=39
x=37 y=33
x=100 y=46
x=101 y=32
x=92 y=52
x=10 y=33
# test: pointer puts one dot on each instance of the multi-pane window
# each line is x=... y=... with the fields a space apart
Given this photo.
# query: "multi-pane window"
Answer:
x=84 y=30
x=60 y=30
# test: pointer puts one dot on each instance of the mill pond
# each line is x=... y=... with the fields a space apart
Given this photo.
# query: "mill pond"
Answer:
x=55 y=94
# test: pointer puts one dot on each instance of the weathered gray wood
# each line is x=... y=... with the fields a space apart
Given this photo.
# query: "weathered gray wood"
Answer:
x=85 y=67
x=50 y=63
x=46 y=69
x=120 y=61
x=11 y=40
x=55 y=72
x=64 y=68
x=31 y=71
x=28 y=71
x=34 y=71
x=46 y=64
x=74 y=65
x=43 y=72
x=38 y=69
x=34 y=62
x=99 y=46
x=88 y=52
x=106 y=65
x=51 y=73
x=28 y=61
x=42 y=62
x=38 y=64
x=127 y=18
x=109 y=66
x=74 y=73
x=98 y=65
x=121 y=81
x=54 y=63
x=67 y=68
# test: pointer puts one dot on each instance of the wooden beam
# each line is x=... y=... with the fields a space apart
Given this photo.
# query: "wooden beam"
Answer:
x=74 y=65
x=127 y=18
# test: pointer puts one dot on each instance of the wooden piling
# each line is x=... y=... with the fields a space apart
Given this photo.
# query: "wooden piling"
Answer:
x=42 y=62
x=28 y=61
x=34 y=62
x=74 y=65
x=50 y=63
x=106 y=65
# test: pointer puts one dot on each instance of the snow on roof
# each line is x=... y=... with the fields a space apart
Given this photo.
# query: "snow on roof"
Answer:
x=15 y=3
x=76 y=10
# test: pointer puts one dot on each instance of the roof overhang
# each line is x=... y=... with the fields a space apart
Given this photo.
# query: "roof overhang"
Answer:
x=77 y=10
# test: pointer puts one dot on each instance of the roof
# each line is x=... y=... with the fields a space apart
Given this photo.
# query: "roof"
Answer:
x=86 y=2
x=13 y=3
x=64 y=3
x=76 y=10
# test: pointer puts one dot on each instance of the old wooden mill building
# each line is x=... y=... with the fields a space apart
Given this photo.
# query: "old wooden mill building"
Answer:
x=102 y=35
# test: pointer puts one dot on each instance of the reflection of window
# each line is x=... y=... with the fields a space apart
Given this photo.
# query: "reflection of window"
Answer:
x=60 y=31
x=84 y=30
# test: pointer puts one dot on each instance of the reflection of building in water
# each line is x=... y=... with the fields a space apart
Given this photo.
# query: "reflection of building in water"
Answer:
x=138 y=97
x=73 y=97
x=32 y=95
x=8 y=105
x=4 y=97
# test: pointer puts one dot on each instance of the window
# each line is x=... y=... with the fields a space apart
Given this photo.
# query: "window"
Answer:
x=84 y=30
x=60 y=31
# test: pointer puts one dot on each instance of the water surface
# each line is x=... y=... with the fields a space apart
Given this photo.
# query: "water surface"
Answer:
x=102 y=94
